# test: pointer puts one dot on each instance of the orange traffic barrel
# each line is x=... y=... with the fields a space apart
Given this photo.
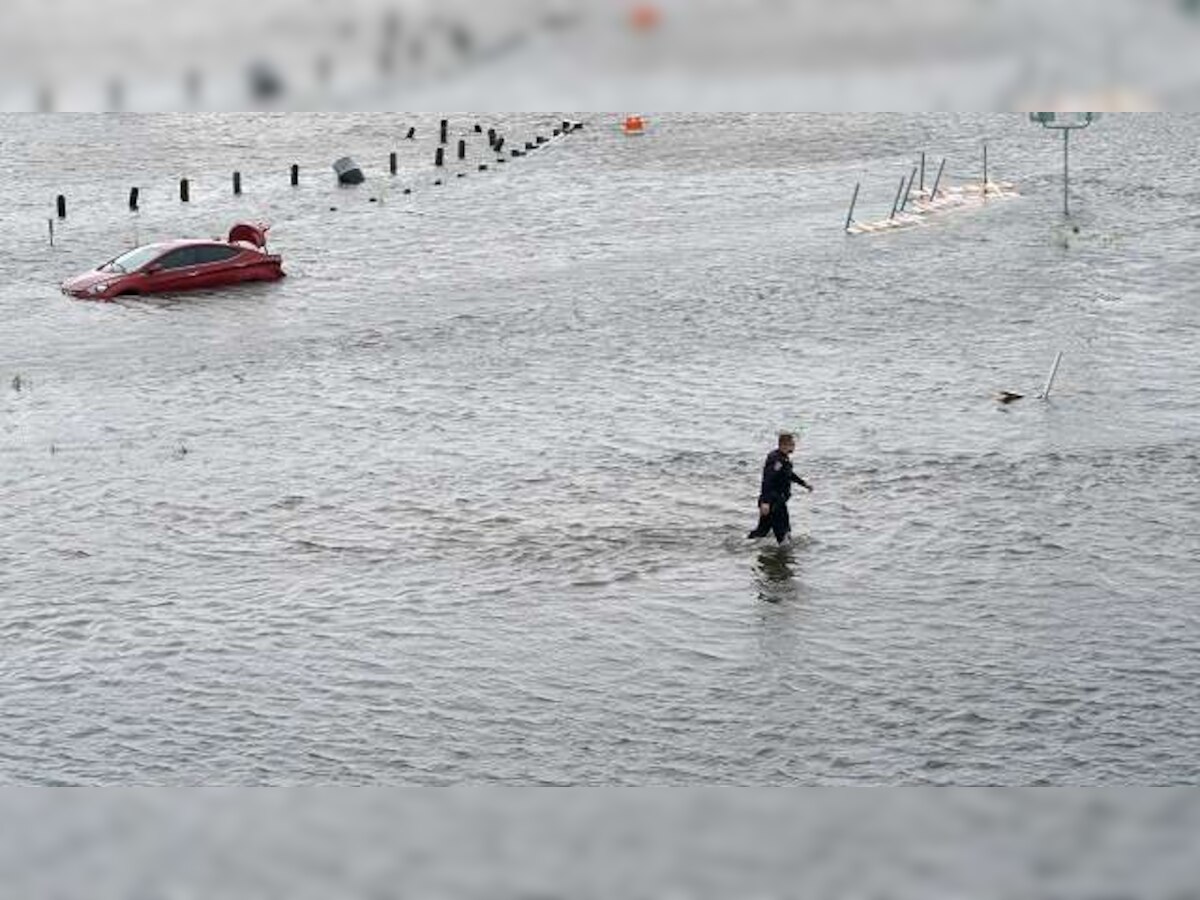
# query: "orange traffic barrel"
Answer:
x=634 y=125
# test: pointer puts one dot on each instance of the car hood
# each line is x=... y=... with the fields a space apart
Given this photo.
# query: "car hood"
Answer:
x=88 y=279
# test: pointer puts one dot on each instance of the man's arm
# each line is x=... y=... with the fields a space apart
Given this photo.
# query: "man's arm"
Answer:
x=800 y=481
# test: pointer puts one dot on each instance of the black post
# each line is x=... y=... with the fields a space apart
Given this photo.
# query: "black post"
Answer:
x=439 y=157
x=185 y=191
x=295 y=175
x=922 y=170
x=462 y=149
x=61 y=203
x=133 y=199
x=499 y=145
x=491 y=137
x=445 y=126
x=393 y=162
x=237 y=184
x=985 y=172
x=850 y=214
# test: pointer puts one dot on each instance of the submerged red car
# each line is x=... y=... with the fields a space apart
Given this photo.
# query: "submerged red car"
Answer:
x=181 y=266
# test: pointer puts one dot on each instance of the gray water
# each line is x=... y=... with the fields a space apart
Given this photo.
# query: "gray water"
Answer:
x=464 y=498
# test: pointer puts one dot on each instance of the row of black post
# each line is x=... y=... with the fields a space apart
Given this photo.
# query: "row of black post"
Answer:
x=495 y=143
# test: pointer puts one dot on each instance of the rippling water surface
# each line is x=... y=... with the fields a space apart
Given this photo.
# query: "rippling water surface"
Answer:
x=464 y=498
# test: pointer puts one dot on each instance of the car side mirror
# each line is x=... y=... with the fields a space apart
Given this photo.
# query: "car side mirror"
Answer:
x=151 y=268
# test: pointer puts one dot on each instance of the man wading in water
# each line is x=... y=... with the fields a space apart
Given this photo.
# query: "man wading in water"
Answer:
x=777 y=481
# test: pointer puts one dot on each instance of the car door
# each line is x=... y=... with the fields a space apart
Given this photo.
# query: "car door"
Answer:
x=214 y=264
x=175 y=271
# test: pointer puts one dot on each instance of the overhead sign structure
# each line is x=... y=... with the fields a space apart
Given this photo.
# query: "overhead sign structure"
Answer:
x=1066 y=122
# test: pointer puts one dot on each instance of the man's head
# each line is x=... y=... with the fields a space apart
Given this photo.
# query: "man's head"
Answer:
x=787 y=442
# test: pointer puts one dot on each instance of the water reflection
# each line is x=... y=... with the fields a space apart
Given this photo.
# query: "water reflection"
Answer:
x=775 y=573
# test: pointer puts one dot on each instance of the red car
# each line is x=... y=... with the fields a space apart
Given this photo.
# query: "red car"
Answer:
x=181 y=266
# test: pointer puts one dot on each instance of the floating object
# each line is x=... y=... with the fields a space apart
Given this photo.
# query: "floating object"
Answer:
x=412 y=133
x=498 y=145
x=634 y=125
x=348 y=172
x=1007 y=397
x=1045 y=394
x=478 y=128
x=182 y=265
x=483 y=167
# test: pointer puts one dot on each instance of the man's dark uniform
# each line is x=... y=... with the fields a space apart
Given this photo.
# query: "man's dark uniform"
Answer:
x=777 y=481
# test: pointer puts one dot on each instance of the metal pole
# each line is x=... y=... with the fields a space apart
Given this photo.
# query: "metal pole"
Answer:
x=1066 y=172
x=1050 y=378
x=853 y=200
x=937 y=181
x=985 y=172
x=922 y=170
x=911 y=179
x=896 y=202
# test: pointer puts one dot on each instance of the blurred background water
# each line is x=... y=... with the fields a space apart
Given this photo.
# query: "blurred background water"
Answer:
x=831 y=55
x=464 y=499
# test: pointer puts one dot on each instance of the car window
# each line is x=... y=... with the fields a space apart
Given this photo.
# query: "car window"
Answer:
x=215 y=253
x=133 y=260
x=179 y=258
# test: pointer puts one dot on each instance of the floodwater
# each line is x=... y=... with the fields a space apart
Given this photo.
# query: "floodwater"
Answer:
x=464 y=498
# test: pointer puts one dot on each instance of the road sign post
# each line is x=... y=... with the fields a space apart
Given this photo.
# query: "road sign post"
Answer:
x=1066 y=123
